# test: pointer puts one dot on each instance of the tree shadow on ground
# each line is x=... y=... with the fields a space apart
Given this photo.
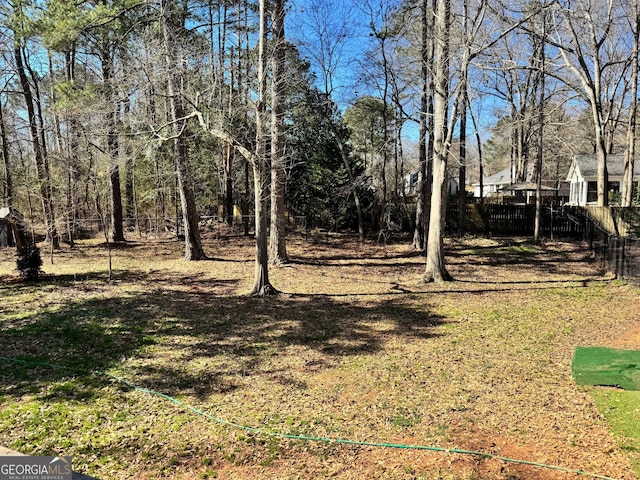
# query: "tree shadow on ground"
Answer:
x=362 y=259
x=525 y=256
x=193 y=342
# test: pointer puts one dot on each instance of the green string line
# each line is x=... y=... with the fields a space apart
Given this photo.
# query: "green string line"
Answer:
x=258 y=431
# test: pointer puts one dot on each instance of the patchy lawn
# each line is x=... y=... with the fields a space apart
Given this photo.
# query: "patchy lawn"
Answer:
x=355 y=348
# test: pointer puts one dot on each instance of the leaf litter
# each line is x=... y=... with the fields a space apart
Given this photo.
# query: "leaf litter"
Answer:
x=356 y=348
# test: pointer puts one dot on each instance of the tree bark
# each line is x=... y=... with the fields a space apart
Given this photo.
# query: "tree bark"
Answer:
x=7 y=191
x=192 y=243
x=435 y=270
x=630 y=152
x=73 y=175
x=227 y=204
x=42 y=164
x=423 y=192
x=113 y=146
x=278 y=232
x=462 y=172
x=541 y=104
x=261 y=285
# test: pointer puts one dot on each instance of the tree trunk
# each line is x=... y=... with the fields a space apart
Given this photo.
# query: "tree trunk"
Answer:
x=73 y=175
x=42 y=165
x=463 y=100
x=116 y=203
x=419 y=233
x=352 y=182
x=227 y=204
x=479 y=145
x=129 y=178
x=630 y=152
x=462 y=177
x=435 y=268
x=278 y=233
x=261 y=285
x=541 y=104
x=601 y=156
x=113 y=147
x=192 y=243
x=129 y=187
x=7 y=191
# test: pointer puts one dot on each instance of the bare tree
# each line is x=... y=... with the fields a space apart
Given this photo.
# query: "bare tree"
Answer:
x=278 y=231
x=540 y=48
x=435 y=267
x=261 y=285
x=446 y=113
x=630 y=152
x=587 y=35
x=193 y=243
x=425 y=139
x=37 y=138
x=7 y=190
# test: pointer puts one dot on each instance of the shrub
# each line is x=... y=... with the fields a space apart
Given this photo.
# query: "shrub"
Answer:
x=29 y=262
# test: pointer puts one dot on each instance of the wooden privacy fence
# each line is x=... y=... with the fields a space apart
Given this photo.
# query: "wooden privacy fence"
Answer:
x=619 y=255
x=612 y=232
x=494 y=219
x=613 y=238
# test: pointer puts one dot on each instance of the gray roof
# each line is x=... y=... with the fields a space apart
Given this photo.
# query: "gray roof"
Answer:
x=588 y=165
x=529 y=187
x=503 y=177
x=500 y=178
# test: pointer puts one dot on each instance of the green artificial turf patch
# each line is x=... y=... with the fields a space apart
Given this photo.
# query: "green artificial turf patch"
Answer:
x=607 y=367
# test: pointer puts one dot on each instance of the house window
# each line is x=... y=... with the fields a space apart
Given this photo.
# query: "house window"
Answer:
x=580 y=193
x=614 y=193
x=413 y=180
x=592 y=192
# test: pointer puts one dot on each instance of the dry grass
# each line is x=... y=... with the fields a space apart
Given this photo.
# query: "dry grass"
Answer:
x=357 y=347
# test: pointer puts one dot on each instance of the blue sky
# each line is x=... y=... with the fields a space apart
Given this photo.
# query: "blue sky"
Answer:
x=336 y=34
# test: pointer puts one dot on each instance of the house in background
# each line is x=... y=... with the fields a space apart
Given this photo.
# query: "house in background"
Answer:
x=411 y=183
x=501 y=185
x=493 y=185
x=583 y=178
x=10 y=228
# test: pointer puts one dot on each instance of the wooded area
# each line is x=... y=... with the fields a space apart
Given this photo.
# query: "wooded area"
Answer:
x=121 y=110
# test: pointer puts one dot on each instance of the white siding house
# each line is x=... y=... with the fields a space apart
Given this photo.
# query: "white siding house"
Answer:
x=10 y=233
x=502 y=185
x=494 y=184
x=411 y=184
x=583 y=178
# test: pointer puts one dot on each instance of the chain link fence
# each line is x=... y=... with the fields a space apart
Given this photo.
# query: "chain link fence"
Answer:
x=159 y=227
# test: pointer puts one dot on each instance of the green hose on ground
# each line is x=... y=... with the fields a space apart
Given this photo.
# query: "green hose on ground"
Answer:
x=258 y=431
